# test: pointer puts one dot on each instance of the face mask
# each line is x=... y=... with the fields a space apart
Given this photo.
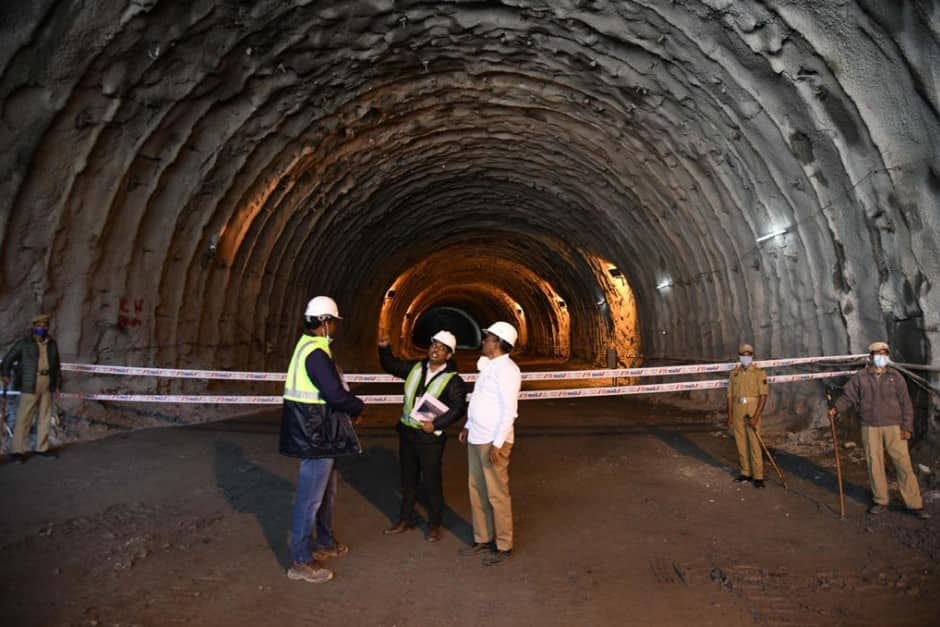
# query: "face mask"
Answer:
x=880 y=361
x=746 y=360
x=482 y=363
x=40 y=332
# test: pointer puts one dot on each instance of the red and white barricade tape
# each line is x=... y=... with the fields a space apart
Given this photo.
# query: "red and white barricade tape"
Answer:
x=561 y=375
x=623 y=390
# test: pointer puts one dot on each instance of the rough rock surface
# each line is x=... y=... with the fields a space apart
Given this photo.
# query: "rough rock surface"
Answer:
x=177 y=179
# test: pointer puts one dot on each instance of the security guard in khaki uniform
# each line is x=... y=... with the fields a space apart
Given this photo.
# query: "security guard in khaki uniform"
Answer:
x=747 y=395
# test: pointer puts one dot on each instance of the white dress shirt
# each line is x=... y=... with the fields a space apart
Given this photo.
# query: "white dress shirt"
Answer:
x=494 y=403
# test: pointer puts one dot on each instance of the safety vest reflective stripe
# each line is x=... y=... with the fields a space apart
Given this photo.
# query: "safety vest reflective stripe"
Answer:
x=298 y=386
x=435 y=389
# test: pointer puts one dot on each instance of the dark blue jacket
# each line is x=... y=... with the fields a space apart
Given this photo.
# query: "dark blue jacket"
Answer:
x=315 y=431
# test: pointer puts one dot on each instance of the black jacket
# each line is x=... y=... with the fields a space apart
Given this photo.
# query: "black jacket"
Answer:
x=23 y=360
x=454 y=395
x=314 y=431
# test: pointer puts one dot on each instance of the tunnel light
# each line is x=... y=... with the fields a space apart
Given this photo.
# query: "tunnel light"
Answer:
x=664 y=285
x=775 y=233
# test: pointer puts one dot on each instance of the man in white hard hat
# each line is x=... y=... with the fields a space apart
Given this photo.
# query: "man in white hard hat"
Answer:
x=879 y=395
x=489 y=434
x=747 y=395
x=421 y=441
x=316 y=426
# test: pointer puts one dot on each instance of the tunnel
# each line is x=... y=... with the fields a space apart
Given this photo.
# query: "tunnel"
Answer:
x=660 y=179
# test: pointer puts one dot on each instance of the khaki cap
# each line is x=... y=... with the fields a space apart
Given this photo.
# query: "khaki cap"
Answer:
x=878 y=346
x=40 y=318
x=745 y=348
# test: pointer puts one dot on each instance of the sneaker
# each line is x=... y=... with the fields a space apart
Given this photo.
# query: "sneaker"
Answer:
x=920 y=514
x=741 y=479
x=50 y=454
x=496 y=557
x=476 y=549
x=337 y=550
x=876 y=509
x=434 y=534
x=311 y=572
x=19 y=458
x=399 y=527
x=759 y=483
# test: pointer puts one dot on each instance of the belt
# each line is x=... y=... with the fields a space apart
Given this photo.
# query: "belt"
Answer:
x=43 y=373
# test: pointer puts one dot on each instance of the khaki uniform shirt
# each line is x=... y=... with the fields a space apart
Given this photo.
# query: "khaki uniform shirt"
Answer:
x=43 y=365
x=747 y=383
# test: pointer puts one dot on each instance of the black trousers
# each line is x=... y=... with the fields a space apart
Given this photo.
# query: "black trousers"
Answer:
x=420 y=459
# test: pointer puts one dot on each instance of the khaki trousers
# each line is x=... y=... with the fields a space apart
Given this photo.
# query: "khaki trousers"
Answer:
x=490 y=502
x=29 y=403
x=881 y=440
x=750 y=457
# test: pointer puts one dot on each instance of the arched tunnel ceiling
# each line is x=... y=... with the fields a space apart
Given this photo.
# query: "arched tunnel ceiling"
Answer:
x=179 y=178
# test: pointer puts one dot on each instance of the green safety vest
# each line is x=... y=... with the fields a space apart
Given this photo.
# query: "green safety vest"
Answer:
x=435 y=389
x=298 y=386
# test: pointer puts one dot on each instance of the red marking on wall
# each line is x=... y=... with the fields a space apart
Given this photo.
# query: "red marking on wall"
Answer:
x=129 y=313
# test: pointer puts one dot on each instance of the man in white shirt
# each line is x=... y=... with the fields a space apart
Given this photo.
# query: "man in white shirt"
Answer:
x=489 y=435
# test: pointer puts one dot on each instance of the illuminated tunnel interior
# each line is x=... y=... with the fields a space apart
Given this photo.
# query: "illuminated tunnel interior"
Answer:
x=666 y=179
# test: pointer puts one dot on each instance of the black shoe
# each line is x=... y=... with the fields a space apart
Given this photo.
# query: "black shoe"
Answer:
x=920 y=514
x=19 y=458
x=877 y=508
x=434 y=534
x=496 y=557
x=50 y=454
x=759 y=483
x=741 y=479
x=476 y=548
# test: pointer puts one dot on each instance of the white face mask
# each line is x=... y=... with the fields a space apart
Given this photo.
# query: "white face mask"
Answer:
x=746 y=360
x=482 y=363
x=880 y=361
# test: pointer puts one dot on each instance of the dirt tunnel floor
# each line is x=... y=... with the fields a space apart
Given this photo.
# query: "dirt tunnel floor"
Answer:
x=625 y=514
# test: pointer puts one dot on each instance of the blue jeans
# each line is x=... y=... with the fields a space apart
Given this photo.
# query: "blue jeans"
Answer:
x=313 y=507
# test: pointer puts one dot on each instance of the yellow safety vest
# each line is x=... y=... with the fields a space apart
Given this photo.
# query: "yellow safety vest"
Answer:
x=435 y=389
x=298 y=386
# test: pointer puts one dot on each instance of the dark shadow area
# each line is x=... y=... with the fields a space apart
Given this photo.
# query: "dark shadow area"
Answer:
x=374 y=475
x=825 y=478
x=250 y=488
x=685 y=446
x=790 y=465
x=452 y=521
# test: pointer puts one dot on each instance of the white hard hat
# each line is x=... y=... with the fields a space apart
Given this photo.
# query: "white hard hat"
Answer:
x=446 y=338
x=504 y=331
x=322 y=307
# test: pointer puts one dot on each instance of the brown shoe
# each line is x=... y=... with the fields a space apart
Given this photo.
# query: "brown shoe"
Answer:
x=400 y=527
x=434 y=534
x=337 y=550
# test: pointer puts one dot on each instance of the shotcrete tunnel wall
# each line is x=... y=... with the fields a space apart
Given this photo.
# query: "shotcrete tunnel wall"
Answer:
x=177 y=179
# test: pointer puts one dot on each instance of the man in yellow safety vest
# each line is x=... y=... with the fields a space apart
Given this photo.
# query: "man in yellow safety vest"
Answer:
x=421 y=440
x=316 y=426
